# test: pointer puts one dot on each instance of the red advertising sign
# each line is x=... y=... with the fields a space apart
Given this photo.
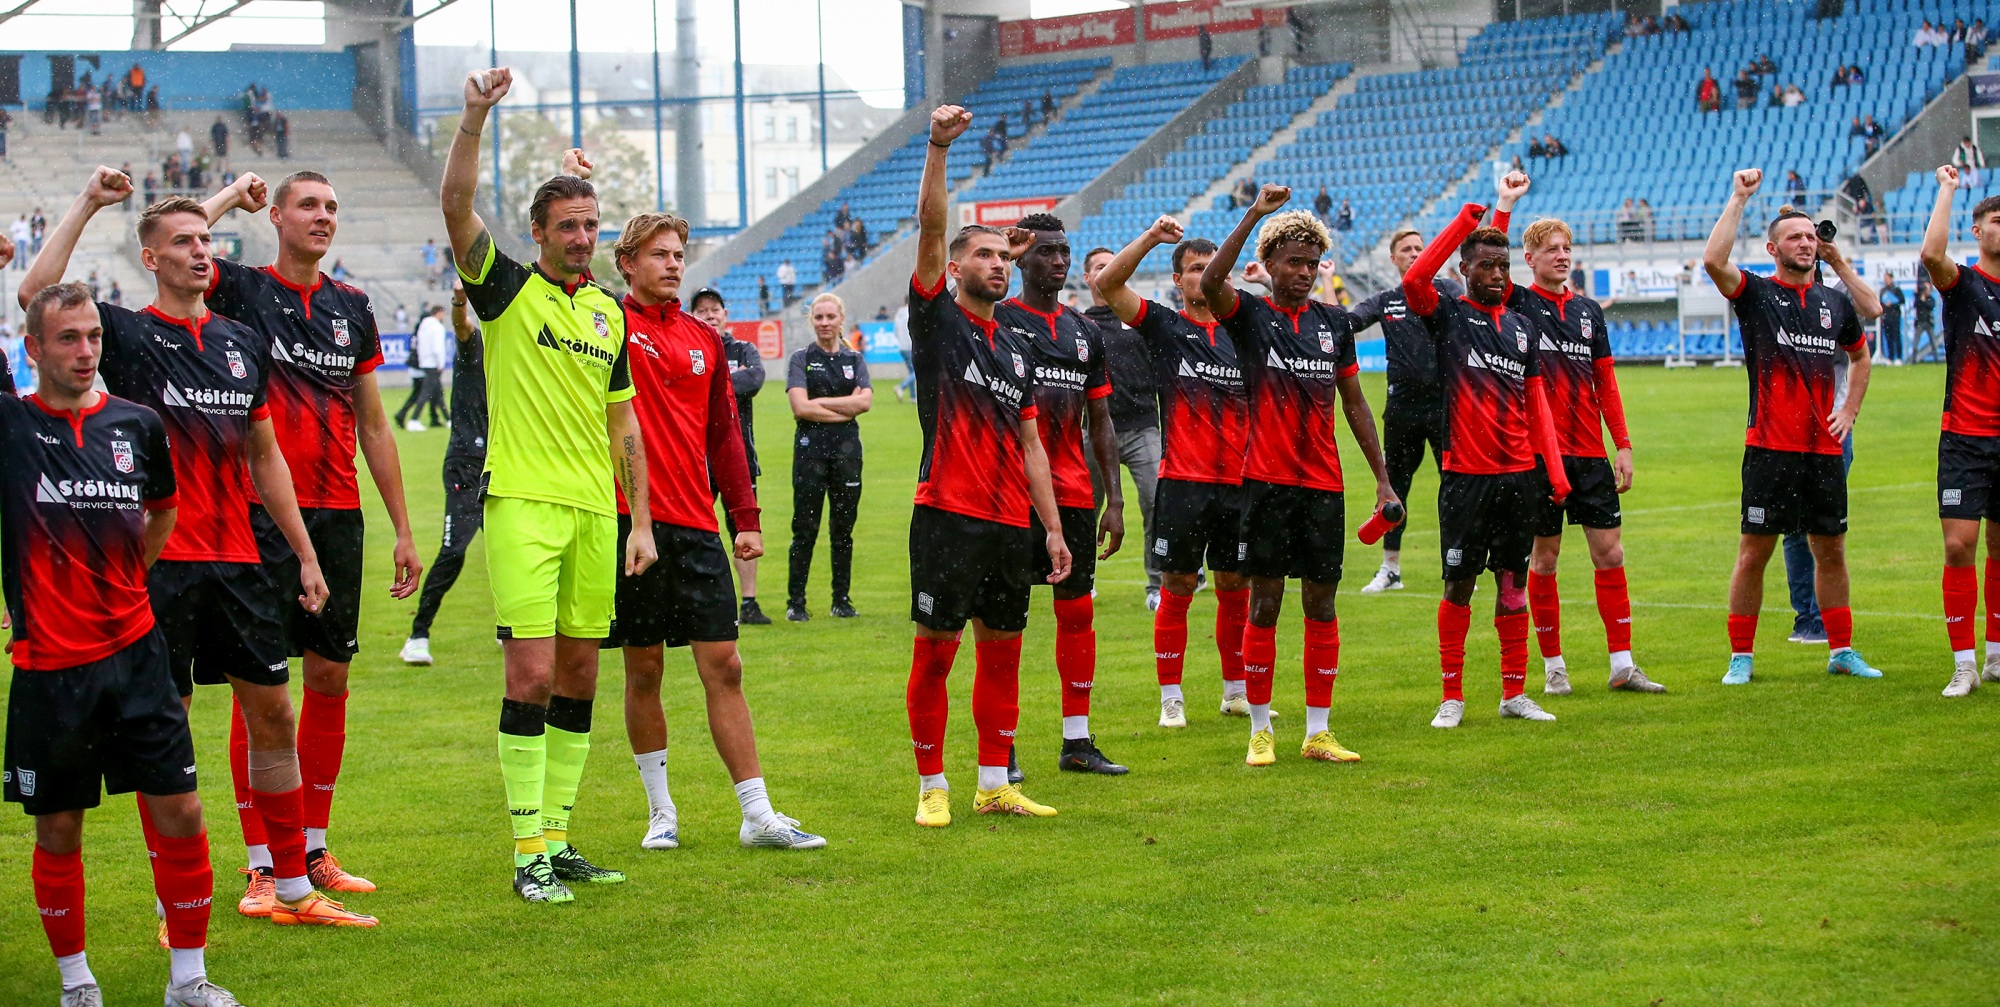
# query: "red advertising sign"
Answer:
x=1180 y=19
x=768 y=336
x=1004 y=212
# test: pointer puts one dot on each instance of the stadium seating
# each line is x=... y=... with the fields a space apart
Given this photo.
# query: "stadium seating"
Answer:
x=1908 y=209
x=1224 y=142
x=1646 y=92
x=886 y=194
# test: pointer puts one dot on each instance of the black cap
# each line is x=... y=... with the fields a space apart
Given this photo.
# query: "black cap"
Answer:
x=707 y=292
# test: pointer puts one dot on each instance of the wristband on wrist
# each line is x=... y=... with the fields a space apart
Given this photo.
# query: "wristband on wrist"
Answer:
x=946 y=146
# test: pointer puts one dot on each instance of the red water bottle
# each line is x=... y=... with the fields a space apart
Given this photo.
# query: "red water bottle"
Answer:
x=1386 y=517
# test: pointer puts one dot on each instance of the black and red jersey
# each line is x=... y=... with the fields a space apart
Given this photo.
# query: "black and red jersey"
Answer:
x=1066 y=363
x=1291 y=362
x=322 y=337
x=1794 y=339
x=687 y=413
x=973 y=391
x=206 y=378
x=1413 y=369
x=1574 y=357
x=1972 y=354
x=1204 y=403
x=74 y=489
x=1486 y=356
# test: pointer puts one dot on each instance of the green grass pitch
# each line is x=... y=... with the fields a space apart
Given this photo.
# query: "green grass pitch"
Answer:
x=1804 y=840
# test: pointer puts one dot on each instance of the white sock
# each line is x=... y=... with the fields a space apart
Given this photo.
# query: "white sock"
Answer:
x=1555 y=663
x=1316 y=719
x=1260 y=717
x=315 y=839
x=932 y=781
x=1169 y=692
x=293 y=889
x=1392 y=562
x=75 y=971
x=1234 y=689
x=159 y=908
x=1837 y=651
x=260 y=856
x=1961 y=656
x=1992 y=647
x=185 y=966
x=1621 y=660
x=756 y=804
x=653 y=773
x=1076 y=728
x=992 y=777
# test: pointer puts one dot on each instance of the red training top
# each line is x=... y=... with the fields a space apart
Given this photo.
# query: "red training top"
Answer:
x=687 y=413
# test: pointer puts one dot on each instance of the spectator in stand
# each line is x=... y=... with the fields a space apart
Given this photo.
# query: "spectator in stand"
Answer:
x=402 y=317
x=1869 y=218
x=1762 y=66
x=832 y=258
x=150 y=188
x=858 y=239
x=788 y=282
x=1856 y=128
x=1344 y=220
x=281 y=132
x=1927 y=34
x=1027 y=112
x=1517 y=165
x=135 y=87
x=1976 y=41
x=1628 y=221
x=93 y=107
x=1205 y=43
x=339 y=272
x=1777 y=97
x=1795 y=188
x=763 y=298
x=1958 y=31
x=1708 y=93
x=1643 y=213
x=433 y=263
x=1923 y=328
x=988 y=149
x=1855 y=74
x=1871 y=134
x=1246 y=192
x=1970 y=162
x=1891 y=349
x=1323 y=205
x=184 y=146
x=1793 y=96
x=1675 y=22
x=248 y=101
x=1048 y=105
x=1554 y=147
x=1633 y=26
x=5 y=121
x=1536 y=149
x=1746 y=90
x=38 y=228
x=114 y=296
x=1841 y=78
x=841 y=217
x=18 y=231
x=218 y=136
x=153 y=105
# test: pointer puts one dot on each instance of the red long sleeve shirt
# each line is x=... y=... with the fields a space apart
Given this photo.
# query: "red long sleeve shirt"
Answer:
x=687 y=413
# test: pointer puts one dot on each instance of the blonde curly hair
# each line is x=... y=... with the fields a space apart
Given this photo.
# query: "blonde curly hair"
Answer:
x=1292 y=225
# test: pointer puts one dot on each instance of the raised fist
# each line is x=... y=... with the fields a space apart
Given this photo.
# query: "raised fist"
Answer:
x=574 y=163
x=107 y=186
x=1513 y=185
x=251 y=192
x=948 y=123
x=1166 y=231
x=1747 y=180
x=1947 y=177
x=1019 y=239
x=485 y=88
x=1272 y=196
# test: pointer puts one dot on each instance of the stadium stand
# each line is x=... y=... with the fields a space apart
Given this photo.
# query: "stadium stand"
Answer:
x=1907 y=210
x=1224 y=142
x=885 y=197
x=1646 y=91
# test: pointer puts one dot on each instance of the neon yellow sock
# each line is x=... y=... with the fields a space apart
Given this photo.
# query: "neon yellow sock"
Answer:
x=567 y=751
x=523 y=767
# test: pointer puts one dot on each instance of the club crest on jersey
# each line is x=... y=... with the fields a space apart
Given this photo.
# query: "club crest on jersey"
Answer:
x=603 y=325
x=847 y=371
x=340 y=337
x=121 y=455
x=1020 y=366
x=698 y=358
x=1825 y=317
x=1586 y=328
x=236 y=367
x=1521 y=339
x=1082 y=351
x=1326 y=342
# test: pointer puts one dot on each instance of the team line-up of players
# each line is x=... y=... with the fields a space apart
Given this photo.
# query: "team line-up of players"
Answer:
x=225 y=459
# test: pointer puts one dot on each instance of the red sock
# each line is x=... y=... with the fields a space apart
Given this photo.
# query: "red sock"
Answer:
x=1232 y=613
x=1453 y=622
x=1961 y=604
x=1170 y=637
x=322 y=739
x=284 y=826
x=1546 y=604
x=1513 y=631
x=239 y=776
x=185 y=881
x=1614 y=607
x=1743 y=633
x=927 y=701
x=996 y=698
x=145 y=820
x=59 y=895
x=1839 y=626
x=1260 y=653
x=1076 y=654
x=1992 y=600
x=1322 y=660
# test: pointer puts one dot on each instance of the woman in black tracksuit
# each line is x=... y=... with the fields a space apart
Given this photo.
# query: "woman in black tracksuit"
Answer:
x=828 y=386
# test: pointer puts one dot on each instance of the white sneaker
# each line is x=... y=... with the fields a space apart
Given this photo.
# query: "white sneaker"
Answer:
x=1992 y=672
x=1385 y=580
x=200 y=993
x=1524 y=708
x=415 y=427
x=416 y=650
x=1173 y=712
x=663 y=832
x=87 y=995
x=1964 y=679
x=1555 y=681
x=1235 y=706
x=784 y=835
x=1633 y=680
x=1450 y=713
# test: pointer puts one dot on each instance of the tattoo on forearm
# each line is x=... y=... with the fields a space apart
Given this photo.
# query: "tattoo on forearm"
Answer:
x=476 y=253
x=627 y=471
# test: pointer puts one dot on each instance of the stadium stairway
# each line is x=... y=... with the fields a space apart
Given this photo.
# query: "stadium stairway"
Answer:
x=386 y=212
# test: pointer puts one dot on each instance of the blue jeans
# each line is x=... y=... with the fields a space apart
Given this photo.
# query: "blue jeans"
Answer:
x=908 y=385
x=1799 y=563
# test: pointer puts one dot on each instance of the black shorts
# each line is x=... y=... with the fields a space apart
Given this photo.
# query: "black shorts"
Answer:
x=1197 y=524
x=1079 y=528
x=1487 y=522
x=969 y=568
x=1292 y=531
x=1793 y=491
x=1968 y=468
x=221 y=621
x=687 y=596
x=1592 y=501
x=113 y=725
x=337 y=537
